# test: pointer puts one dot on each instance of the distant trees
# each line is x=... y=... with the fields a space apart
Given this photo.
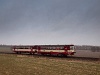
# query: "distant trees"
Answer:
x=86 y=47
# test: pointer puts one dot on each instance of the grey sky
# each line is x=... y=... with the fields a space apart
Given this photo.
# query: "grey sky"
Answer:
x=50 y=22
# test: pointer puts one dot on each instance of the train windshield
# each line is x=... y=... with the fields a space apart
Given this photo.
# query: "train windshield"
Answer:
x=71 y=47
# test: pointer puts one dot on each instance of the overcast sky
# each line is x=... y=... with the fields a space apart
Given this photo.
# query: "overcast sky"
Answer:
x=29 y=22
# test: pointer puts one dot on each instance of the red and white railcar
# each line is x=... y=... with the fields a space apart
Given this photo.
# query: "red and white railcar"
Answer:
x=55 y=50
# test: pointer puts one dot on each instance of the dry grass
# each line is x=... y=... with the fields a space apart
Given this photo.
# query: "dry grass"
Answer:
x=11 y=64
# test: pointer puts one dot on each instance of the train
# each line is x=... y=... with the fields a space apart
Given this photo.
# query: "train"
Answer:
x=58 y=50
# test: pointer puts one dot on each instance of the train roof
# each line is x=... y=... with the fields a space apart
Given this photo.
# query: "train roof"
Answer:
x=41 y=45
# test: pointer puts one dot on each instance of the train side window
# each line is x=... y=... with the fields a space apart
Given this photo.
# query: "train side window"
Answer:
x=21 y=48
x=50 y=48
x=61 y=48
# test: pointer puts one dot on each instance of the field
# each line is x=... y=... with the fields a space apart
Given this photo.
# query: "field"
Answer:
x=13 y=64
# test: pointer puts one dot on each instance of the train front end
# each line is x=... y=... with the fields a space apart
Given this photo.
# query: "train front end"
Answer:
x=70 y=49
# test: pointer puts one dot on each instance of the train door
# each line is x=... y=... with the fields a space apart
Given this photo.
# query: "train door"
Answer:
x=66 y=48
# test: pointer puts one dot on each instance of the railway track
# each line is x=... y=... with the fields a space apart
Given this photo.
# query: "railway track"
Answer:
x=69 y=58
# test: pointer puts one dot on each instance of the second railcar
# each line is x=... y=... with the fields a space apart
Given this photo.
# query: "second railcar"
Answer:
x=23 y=49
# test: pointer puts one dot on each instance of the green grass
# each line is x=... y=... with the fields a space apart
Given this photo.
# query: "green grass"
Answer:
x=11 y=64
